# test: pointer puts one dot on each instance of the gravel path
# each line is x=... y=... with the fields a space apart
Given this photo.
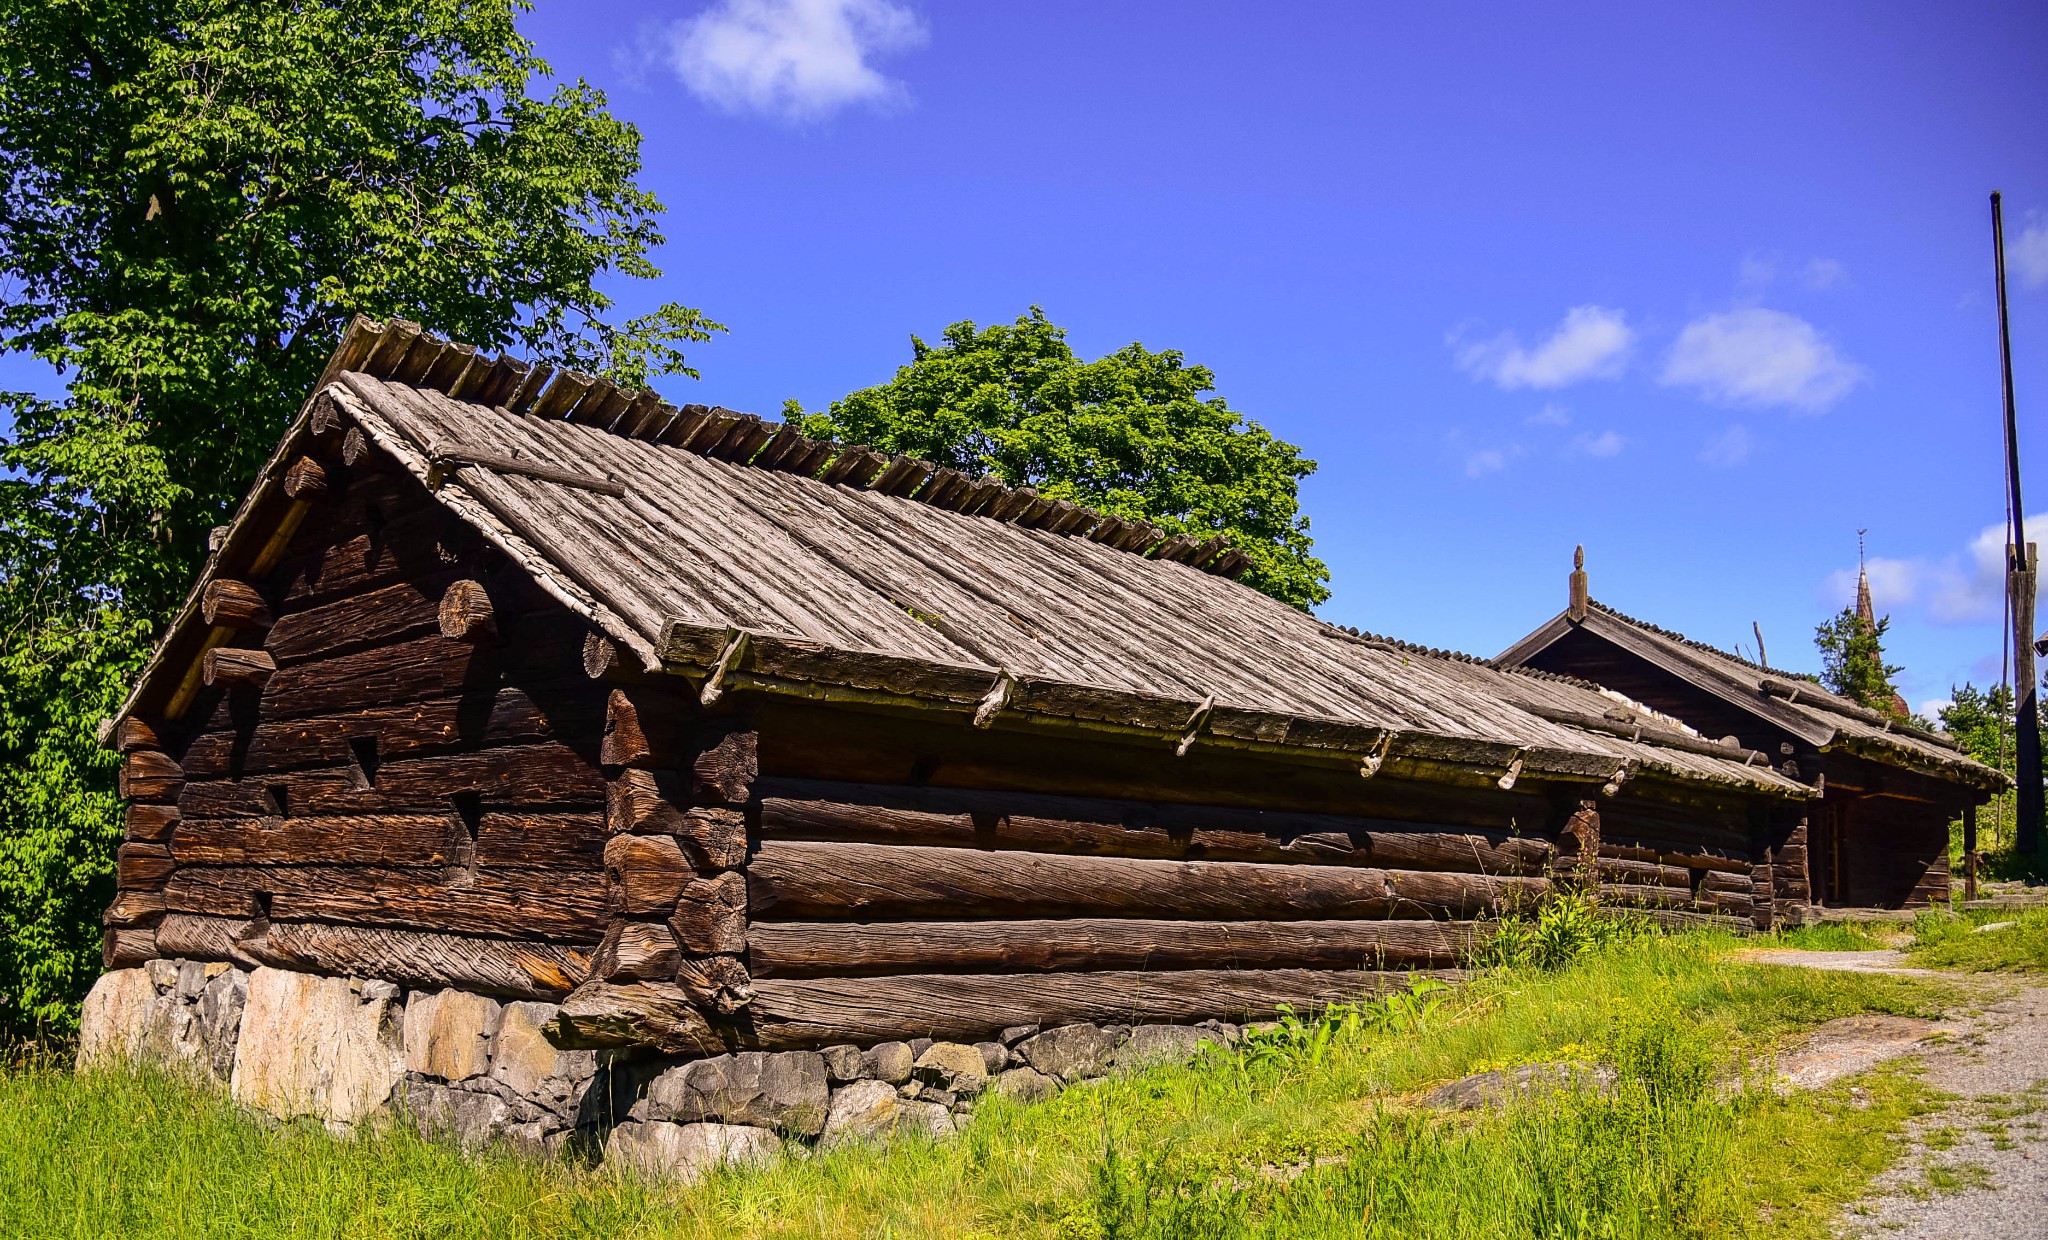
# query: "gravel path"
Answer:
x=1979 y=1169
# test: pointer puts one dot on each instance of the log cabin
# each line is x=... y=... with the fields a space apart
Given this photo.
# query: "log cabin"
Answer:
x=1877 y=835
x=509 y=680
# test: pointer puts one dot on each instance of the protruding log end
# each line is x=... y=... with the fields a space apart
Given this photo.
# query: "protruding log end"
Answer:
x=720 y=983
x=598 y=1015
x=150 y=775
x=135 y=733
x=602 y=658
x=354 y=446
x=234 y=605
x=466 y=614
x=637 y=951
x=625 y=739
x=237 y=670
x=305 y=481
x=125 y=949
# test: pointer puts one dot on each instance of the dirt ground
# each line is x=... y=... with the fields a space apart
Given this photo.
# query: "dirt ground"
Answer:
x=1978 y=1169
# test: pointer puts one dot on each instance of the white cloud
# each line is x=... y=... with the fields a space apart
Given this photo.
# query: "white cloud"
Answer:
x=1484 y=462
x=1754 y=356
x=1552 y=414
x=1591 y=343
x=2028 y=252
x=1604 y=444
x=1962 y=587
x=792 y=59
x=1932 y=707
x=1821 y=274
x=1729 y=448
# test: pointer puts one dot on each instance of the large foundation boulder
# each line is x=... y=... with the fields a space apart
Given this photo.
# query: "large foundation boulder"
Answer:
x=326 y=1047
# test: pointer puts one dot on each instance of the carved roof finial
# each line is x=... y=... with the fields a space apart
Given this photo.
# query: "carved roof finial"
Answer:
x=1581 y=601
x=1865 y=612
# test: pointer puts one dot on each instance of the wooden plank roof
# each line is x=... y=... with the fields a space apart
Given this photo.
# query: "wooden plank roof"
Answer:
x=753 y=560
x=1796 y=703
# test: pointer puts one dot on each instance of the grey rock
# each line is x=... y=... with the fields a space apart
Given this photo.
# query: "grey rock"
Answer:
x=872 y=1110
x=220 y=1018
x=1069 y=1052
x=1491 y=1089
x=470 y=1118
x=1157 y=1044
x=526 y=1063
x=787 y=1091
x=1025 y=1085
x=379 y=991
x=944 y=1097
x=162 y=974
x=888 y=1061
x=311 y=1045
x=688 y=1152
x=909 y=1089
x=1223 y=1029
x=952 y=1065
x=447 y=1032
x=1016 y=1033
x=994 y=1056
x=919 y=1046
x=191 y=979
x=842 y=1063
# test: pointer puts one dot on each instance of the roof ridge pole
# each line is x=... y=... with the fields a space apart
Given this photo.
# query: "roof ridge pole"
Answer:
x=2020 y=578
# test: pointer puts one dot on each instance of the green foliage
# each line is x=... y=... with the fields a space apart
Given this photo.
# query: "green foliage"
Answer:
x=1562 y=930
x=1297 y=1041
x=2020 y=944
x=1852 y=662
x=1132 y=434
x=1981 y=721
x=197 y=196
x=150 y=1157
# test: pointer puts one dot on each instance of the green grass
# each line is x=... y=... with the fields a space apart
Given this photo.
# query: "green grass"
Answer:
x=1183 y=1151
x=1945 y=942
x=1829 y=936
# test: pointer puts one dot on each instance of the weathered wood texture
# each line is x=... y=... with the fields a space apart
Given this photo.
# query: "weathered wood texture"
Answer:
x=958 y=1007
x=520 y=840
x=812 y=810
x=567 y=906
x=519 y=968
x=521 y=775
x=793 y=880
x=805 y=949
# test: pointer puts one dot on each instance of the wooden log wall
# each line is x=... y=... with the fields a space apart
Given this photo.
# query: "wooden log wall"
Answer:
x=392 y=767
x=675 y=817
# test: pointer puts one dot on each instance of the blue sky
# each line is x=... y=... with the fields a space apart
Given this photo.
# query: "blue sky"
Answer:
x=1706 y=288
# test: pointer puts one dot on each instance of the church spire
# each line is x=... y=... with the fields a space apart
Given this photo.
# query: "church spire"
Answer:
x=1865 y=613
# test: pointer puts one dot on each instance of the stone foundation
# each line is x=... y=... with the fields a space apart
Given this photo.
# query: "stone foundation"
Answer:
x=460 y=1064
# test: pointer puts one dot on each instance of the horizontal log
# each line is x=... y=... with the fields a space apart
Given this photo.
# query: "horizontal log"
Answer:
x=637 y=951
x=641 y=803
x=796 y=1013
x=553 y=904
x=528 y=776
x=1683 y=919
x=514 y=968
x=503 y=840
x=792 y=809
x=1618 y=870
x=465 y=613
x=150 y=775
x=1634 y=895
x=646 y=874
x=237 y=670
x=134 y=908
x=135 y=733
x=236 y=605
x=306 y=480
x=142 y=867
x=1692 y=857
x=566 y=711
x=330 y=562
x=711 y=914
x=795 y=880
x=1738 y=884
x=426 y=667
x=810 y=949
x=150 y=824
x=125 y=949
x=395 y=613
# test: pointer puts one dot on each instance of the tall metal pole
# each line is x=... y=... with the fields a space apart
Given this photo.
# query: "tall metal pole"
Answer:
x=2020 y=581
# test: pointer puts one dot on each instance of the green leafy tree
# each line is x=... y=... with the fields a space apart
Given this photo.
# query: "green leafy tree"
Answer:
x=198 y=194
x=1133 y=434
x=1852 y=662
x=1980 y=720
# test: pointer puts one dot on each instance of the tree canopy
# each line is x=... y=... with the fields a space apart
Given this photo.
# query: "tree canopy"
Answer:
x=1133 y=433
x=197 y=196
x=1852 y=662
